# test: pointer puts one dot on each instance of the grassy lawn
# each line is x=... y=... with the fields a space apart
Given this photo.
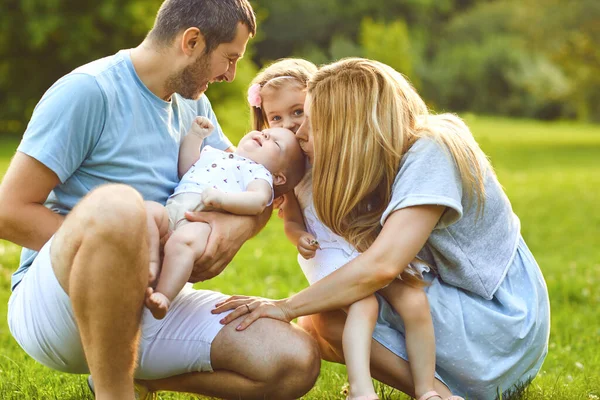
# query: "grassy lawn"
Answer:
x=551 y=173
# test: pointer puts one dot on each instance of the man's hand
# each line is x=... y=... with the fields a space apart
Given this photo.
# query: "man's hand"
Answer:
x=228 y=233
x=307 y=246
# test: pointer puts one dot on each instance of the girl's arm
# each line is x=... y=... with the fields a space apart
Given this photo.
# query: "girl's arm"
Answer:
x=295 y=229
x=253 y=201
x=403 y=235
x=292 y=219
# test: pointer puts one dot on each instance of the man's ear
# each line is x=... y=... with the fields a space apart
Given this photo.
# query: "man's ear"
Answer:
x=192 y=42
x=279 y=179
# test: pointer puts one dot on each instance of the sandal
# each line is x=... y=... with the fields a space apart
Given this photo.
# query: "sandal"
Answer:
x=429 y=395
x=455 y=398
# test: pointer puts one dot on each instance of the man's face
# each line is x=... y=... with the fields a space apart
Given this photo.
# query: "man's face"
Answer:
x=219 y=65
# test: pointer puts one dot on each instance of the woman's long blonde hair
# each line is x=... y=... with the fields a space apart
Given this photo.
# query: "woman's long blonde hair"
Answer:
x=286 y=71
x=365 y=116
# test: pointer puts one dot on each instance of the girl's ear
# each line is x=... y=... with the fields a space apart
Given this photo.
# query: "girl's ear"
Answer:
x=279 y=179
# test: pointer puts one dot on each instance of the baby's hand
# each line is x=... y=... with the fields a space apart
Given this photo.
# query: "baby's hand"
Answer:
x=202 y=127
x=307 y=246
x=212 y=198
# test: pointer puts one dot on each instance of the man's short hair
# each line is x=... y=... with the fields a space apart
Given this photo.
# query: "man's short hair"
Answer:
x=216 y=19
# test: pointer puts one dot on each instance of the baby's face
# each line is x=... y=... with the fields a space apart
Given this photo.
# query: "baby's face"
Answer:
x=272 y=147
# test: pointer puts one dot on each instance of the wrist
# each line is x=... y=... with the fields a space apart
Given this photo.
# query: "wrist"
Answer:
x=286 y=307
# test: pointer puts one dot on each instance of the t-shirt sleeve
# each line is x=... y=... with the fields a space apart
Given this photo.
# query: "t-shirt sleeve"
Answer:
x=253 y=171
x=217 y=139
x=428 y=176
x=66 y=124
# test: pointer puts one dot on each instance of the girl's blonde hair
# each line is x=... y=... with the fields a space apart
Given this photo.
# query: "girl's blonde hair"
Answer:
x=365 y=116
x=286 y=71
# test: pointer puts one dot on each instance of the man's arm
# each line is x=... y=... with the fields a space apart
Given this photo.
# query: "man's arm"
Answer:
x=228 y=233
x=23 y=218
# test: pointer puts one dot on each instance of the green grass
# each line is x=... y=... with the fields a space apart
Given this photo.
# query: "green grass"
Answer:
x=551 y=173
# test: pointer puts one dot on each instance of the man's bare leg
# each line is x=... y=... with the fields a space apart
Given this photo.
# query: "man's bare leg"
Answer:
x=269 y=360
x=100 y=258
x=386 y=367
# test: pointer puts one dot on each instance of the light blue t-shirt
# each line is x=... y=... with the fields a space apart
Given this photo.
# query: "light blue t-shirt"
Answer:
x=100 y=124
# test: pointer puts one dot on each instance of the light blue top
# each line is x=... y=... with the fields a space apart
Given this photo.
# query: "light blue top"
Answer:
x=100 y=124
x=467 y=250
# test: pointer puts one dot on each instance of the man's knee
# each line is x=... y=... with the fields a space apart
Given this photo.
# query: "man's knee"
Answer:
x=301 y=366
x=112 y=213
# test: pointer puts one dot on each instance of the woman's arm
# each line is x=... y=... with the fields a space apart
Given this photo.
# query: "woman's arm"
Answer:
x=404 y=234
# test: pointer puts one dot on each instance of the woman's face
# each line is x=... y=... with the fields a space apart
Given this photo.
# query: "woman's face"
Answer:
x=304 y=133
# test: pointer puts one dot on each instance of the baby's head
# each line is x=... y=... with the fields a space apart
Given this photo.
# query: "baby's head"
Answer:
x=278 y=151
x=277 y=94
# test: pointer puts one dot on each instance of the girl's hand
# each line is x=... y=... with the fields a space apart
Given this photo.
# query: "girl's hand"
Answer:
x=307 y=246
x=255 y=307
x=212 y=198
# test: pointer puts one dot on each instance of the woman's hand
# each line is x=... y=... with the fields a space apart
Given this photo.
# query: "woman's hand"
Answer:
x=254 y=307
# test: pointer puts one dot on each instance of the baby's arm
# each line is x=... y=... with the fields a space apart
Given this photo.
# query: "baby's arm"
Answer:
x=189 y=149
x=413 y=307
x=295 y=229
x=253 y=201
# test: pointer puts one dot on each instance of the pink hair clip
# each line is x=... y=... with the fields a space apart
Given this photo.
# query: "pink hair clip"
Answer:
x=254 y=98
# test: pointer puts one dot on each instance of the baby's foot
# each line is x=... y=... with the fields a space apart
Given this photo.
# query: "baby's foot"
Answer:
x=158 y=304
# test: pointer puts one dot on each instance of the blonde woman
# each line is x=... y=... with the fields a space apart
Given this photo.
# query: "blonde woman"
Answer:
x=276 y=97
x=391 y=178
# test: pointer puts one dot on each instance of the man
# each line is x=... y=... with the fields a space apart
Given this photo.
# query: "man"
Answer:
x=102 y=139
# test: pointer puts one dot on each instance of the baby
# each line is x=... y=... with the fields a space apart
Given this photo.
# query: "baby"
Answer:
x=266 y=164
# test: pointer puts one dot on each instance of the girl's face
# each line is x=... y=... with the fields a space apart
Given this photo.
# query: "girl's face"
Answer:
x=284 y=107
x=304 y=132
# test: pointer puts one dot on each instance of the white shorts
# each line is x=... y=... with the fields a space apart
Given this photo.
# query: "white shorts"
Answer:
x=40 y=317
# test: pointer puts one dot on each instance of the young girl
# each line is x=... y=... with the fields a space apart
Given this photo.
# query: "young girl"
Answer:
x=277 y=97
x=265 y=164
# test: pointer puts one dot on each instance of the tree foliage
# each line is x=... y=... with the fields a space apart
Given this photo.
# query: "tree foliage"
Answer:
x=535 y=58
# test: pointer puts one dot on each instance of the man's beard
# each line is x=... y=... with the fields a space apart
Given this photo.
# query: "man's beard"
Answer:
x=189 y=83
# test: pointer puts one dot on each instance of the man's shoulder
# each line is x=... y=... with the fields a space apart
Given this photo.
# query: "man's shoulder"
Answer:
x=99 y=67
x=201 y=106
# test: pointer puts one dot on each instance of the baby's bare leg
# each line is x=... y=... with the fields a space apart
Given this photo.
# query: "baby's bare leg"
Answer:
x=412 y=306
x=183 y=248
x=356 y=341
x=158 y=227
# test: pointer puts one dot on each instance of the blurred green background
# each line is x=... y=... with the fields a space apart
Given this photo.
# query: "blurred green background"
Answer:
x=523 y=58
